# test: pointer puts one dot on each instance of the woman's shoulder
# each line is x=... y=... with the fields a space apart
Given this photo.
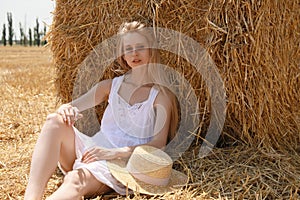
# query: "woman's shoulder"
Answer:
x=108 y=82
x=105 y=85
x=165 y=96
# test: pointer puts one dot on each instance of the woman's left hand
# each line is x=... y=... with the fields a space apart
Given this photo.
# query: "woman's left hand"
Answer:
x=98 y=153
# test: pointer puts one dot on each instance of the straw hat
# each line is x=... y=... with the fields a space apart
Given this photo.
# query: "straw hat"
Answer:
x=148 y=171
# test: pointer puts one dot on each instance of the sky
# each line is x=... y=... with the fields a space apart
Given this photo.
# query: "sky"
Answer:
x=26 y=12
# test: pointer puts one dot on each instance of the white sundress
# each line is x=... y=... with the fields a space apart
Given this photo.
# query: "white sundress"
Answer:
x=122 y=125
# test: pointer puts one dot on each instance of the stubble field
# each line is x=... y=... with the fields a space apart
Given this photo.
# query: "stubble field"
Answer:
x=27 y=95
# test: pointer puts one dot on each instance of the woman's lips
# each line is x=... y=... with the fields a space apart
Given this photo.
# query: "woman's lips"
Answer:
x=136 y=61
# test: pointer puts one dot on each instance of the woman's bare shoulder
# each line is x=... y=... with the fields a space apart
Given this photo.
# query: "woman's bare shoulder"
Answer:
x=165 y=96
x=105 y=85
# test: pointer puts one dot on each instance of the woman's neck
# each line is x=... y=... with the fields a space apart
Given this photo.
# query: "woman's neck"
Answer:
x=138 y=76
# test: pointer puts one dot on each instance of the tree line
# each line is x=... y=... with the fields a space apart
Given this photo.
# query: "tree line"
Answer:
x=33 y=37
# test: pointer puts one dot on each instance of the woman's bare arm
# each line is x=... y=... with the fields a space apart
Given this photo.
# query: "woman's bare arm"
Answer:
x=70 y=112
x=163 y=109
x=94 y=96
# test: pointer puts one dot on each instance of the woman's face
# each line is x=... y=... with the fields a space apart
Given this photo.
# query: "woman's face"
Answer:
x=136 y=49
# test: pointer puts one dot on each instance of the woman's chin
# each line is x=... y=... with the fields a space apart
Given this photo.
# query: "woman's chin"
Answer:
x=137 y=65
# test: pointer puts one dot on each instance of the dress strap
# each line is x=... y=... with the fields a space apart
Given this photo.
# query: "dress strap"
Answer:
x=153 y=94
x=116 y=82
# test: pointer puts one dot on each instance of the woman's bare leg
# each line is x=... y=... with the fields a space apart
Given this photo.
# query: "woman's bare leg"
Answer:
x=55 y=143
x=79 y=183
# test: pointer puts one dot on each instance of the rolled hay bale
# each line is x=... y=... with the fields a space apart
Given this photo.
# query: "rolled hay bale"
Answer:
x=255 y=46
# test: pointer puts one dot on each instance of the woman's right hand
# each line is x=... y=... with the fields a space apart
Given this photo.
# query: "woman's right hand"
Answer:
x=69 y=113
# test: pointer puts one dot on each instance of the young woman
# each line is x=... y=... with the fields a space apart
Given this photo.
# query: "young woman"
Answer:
x=140 y=111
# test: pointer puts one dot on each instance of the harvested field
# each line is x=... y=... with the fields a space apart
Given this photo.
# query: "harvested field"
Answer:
x=28 y=95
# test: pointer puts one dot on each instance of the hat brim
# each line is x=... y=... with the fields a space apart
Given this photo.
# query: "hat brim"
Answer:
x=119 y=171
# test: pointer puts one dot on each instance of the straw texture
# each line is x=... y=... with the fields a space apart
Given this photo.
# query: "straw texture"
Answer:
x=255 y=46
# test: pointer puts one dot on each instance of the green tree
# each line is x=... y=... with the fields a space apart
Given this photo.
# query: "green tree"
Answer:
x=21 y=34
x=44 y=35
x=30 y=37
x=37 y=36
x=4 y=35
x=23 y=38
x=10 y=29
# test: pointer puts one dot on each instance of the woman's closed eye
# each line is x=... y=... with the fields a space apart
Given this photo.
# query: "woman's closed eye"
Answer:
x=128 y=49
x=137 y=48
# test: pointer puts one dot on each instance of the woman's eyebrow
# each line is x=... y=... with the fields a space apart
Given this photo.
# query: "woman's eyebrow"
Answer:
x=129 y=45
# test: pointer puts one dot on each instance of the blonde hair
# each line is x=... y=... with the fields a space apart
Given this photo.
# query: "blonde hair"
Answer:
x=137 y=27
x=156 y=74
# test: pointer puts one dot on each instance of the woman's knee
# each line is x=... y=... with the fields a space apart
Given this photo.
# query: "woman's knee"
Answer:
x=54 y=118
x=55 y=125
x=55 y=121
x=75 y=180
x=84 y=183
